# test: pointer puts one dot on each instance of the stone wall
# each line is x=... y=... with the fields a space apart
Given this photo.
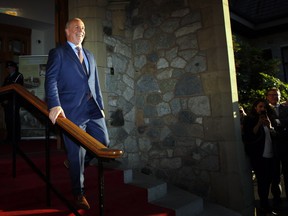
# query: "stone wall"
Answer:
x=157 y=87
x=171 y=94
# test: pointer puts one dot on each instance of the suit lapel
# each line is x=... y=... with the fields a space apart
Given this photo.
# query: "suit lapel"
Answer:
x=71 y=53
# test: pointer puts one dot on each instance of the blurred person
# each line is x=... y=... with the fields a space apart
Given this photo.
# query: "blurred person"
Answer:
x=14 y=77
x=280 y=118
x=257 y=137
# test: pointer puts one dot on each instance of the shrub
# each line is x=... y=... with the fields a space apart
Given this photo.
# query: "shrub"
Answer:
x=255 y=74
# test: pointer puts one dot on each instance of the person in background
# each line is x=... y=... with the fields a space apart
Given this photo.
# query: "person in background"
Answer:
x=280 y=118
x=257 y=138
x=14 y=77
x=73 y=90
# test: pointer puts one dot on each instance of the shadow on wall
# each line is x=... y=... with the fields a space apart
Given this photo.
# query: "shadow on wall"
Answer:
x=117 y=118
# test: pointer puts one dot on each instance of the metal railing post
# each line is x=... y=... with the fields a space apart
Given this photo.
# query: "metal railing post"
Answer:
x=101 y=185
x=14 y=142
x=47 y=158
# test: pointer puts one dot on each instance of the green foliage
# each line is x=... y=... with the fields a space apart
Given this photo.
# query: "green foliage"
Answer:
x=271 y=81
x=255 y=74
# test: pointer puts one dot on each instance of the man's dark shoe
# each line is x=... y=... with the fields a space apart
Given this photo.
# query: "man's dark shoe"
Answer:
x=269 y=211
x=81 y=202
x=274 y=213
x=277 y=203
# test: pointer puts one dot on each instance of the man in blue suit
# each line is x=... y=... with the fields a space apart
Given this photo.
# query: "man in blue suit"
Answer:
x=72 y=90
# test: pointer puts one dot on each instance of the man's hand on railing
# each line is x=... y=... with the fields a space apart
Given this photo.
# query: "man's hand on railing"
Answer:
x=55 y=112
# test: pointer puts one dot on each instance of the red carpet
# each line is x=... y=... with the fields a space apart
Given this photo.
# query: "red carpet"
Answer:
x=26 y=194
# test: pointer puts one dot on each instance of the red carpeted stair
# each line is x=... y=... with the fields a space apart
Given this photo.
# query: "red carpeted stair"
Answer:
x=26 y=194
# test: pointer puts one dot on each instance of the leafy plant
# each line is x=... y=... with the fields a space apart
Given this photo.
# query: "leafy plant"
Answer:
x=255 y=74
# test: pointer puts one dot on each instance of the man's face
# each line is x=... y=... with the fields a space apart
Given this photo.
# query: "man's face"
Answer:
x=75 y=32
x=273 y=97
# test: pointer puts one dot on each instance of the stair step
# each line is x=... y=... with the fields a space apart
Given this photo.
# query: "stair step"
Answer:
x=155 y=188
x=182 y=202
x=168 y=196
x=171 y=197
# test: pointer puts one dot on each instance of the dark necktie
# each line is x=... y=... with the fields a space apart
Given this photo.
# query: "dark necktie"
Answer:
x=81 y=59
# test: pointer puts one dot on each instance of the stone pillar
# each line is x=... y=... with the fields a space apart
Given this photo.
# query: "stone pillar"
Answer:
x=232 y=185
x=118 y=17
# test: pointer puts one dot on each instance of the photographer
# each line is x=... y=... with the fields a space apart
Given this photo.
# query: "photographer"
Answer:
x=257 y=137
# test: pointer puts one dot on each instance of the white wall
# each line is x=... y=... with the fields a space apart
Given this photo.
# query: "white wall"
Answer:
x=42 y=41
x=49 y=38
x=37 y=42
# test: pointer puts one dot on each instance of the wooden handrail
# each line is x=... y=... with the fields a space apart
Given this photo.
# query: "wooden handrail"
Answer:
x=84 y=138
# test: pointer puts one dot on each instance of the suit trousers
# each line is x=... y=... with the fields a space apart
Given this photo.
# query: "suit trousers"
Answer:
x=276 y=188
x=263 y=168
x=76 y=153
x=280 y=168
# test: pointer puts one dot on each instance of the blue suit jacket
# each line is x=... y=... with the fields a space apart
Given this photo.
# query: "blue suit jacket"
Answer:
x=67 y=85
